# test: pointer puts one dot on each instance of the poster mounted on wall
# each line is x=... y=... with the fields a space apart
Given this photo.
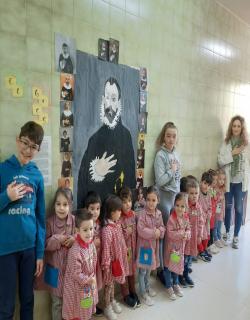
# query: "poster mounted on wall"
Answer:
x=65 y=54
x=66 y=114
x=103 y=49
x=142 y=122
x=67 y=87
x=113 y=50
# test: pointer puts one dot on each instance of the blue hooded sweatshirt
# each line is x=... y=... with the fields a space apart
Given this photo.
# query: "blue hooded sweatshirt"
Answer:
x=22 y=222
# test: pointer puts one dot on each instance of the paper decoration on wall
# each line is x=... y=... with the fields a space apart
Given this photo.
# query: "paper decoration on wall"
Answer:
x=113 y=50
x=43 y=101
x=44 y=118
x=143 y=101
x=65 y=54
x=105 y=130
x=10 y=81
x=17 y=91
x=36 y=92
x=103 y=49
x=67 y=87
x=66 y=170
x=66 y=139
x=66 y=111
x=36 y=110
x=143 y=122
x=139 y=178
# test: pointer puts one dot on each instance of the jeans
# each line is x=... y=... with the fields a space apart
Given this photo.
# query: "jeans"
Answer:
x=187 y=263
x=217 y=230
x=22 y=263
x=237 y=195
x=171 y=278
x=143 y=278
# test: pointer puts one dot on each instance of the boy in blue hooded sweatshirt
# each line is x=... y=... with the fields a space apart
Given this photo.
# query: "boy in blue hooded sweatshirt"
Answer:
x=22 y=223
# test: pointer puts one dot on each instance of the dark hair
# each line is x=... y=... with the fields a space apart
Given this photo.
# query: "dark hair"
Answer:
x=33 y=131
x=110 y=204
x=160 y=138
x=190 y=177
x=64 y=192
x=82 y=215
x=180 y=196
x=112 y=81
x=65 y=131
x=153 y=189
x=91 y=198
x=125 y=194
x=192 y=184
x=64 y=45
x=183 y=184
x=212 y=172
x=206 y=176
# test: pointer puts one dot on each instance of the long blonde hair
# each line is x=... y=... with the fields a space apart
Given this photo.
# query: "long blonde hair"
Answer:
x=160 y=138
x=243 y=134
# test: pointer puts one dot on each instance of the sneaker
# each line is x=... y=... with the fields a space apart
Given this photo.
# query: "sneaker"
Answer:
x=223 y=242
x=178 y=291
x=98 y=312
x=190 y=270
x=130 y=301
x=136 y=298
x=218 y=244
x=204 y=257
x=182 y=282
x=147 y=300
x=213 y=249
x=235 y=243
x=194 y=259
x=208 y=254
x=151 y=292
x=116 y=306
x=171 y=293
x=189 y=282
x=109 y=313
x=228 y=238
x=160 y=276
x=224 y=236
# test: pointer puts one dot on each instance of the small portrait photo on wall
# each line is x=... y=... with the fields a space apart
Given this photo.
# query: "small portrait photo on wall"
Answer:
x=142 y=122
x=143 y=101
x=113 y=50
x=139 y=178
x=66 y=170
x=141 y=139
x=103 y=49
x=143 y=78
x=66 y=183
x=66 y=111
x=65 y=54
x=140 y=158
x=67 y=86
x=66 y=139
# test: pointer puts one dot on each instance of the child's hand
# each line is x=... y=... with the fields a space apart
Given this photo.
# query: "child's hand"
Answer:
x=92 y=281
x=97 y=242
x=157 y=233
x=39 y=267
x=237 y=150
x=15 y=191
x=174 y=165
x=129 y=230
x=199 y=240
x=62 y=238
x=69 y=241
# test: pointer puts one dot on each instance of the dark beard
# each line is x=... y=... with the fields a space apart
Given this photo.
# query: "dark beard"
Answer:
x=110 y=114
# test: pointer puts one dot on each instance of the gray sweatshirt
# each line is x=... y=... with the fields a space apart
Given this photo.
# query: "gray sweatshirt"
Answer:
x=165 y=178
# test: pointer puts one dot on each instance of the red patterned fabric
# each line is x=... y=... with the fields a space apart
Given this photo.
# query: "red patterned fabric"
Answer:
x=81 y=267
x=146 y=226
x=113 y=248
x=177 y=233
x=206 y=205
x=220 y=206
x=97 y=235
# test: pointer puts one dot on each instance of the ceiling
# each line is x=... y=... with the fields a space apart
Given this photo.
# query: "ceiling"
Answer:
x=240 y=8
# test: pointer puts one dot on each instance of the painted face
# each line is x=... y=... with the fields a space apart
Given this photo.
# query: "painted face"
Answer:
x=193 y=195
x=61 y=207
x=67 y=80
x=152 y=201
x=94 y=209
x=111 y=101
x=67 y=105
x=170 y=138
x=204 y=186
x=180 y=207
x=86 y=230
x=65 y=49
x=26 y=149
x=115 y=215
x=221 y=180
x=236 y=128
x=126 y=205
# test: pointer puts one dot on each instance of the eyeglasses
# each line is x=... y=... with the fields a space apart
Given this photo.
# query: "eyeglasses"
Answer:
x=26 y=145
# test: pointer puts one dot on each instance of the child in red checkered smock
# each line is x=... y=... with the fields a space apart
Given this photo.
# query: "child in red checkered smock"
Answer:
x=128 y=223
x=177 y=234
x=150 y=229
x=196 y=222
x=114 y=254
x=206 y=205
x=80 y=294
x=220 y=209
x=60 y=230
x=93 y=205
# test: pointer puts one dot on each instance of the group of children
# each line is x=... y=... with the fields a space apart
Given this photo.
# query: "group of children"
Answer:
x=93 y=248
